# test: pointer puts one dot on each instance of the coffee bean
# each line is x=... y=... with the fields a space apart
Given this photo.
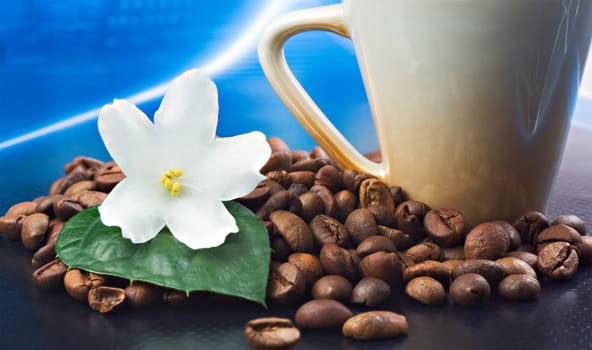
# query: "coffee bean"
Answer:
x=277 y=161
x=453 y=253
x=108 y=176
x=277 y=145
x=585 y=249
x=382 y=265
x=338 y=261
x=469 y=290
x=309 y=165
x=322 y=314
x=572 y=221
x=492 y=271
x=309 y=265
x=56 y=186
x=424 y=251
x=286 y=284
x=373 y=325
x=45 y=205
x=78 y=283
x=33 y=230
x=85 y=185
x=374 y=244
x=90 y=198
x=305 y=178
x=330 y=177
x=559 y=232
x=397 y=193
x=85 y=162
x=519 y=287
x=352 y=179
x=529 y=225
x=451 y=265
x=293 y=229
x=281 y=200
x=401 y=240
x=142 y=294
x=430 y=268
x=312 y=205
x=488 y=240
x=49 y=277
x=177 y=298
x=65 y=207
x=371 y=292
x=409 y=216
x=318 y=152
x=513 y=235
x=376 y=196
x=326 y=229
x=269 y=333
x=280 y=250
x=106 y=299
x=300 y=155
x=44 y=254
x=11 y=225
x=21 y=209
x=513 y=265
x=361 y=224
x=334 y=287
x=327 y=197
x=445 y=226
x=346 y=202
x=426 y=290
x=558 y=261
x=528 y=257
x=77 y=174
x=298 y=190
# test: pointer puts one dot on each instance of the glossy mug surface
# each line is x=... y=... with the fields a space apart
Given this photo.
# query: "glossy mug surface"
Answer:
x=471 y=99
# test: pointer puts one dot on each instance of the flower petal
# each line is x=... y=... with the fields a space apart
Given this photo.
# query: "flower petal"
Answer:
x=128 y=134
x=134 y=209
x=199 y=222
x=188 y=114
x=231 y=167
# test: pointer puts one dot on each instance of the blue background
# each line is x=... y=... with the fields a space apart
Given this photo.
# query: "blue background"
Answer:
x=62 y=60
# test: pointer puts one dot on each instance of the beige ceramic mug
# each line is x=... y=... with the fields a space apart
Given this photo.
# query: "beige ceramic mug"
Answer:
x=471 y=100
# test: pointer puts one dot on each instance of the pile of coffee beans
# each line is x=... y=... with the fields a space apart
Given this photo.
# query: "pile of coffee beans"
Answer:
x=339 y=238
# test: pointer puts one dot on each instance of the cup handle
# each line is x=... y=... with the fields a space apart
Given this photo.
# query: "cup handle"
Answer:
x=273 y=61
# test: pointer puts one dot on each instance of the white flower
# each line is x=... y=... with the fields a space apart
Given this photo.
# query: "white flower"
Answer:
x=177 y=171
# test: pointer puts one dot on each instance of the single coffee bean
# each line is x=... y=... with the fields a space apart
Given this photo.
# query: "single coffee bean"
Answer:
x=23 y=208
x=55 y=227
x=49 y=277
x=293 y=229
x=11 y=225
x=558 y=261
x=492 y=271
x=572 y=221
x=33 y=230
x=453 y=253
x=142 y=294
x=286 y=284
x=585 y=249
x=401 y=240
x=513 y=234
x=45 y=206
x=277 y=145
x=298 y=189
x=79 y=173
x=519 y=287
x=309 y=165
x=469 y=290
x=558 y=233
x=281 y=200
x=334 y=287
x=85 y=185
x=256 y=198
x=374 y=244
x=322 y=314
x=268 y=333
x=327 y=197
x=373 y=325
x=371 y=292
x=338 y=261
x=299 y=155
x=352 y=179
x=382 y=265
x=312 y=205
x=280 y=250
x=65 y=207
x=106 y=299
x=377 y=197
x=426 y=290
x=445 y=226
x=44 y=254
x=346 y=202
x=90 y=198
x=318 y=152
x=277 y=161
x=430 y=268
x=528 y=257
x=309 y=265
x=56 y=186
x=107 y=180
x=529 y=225
x=450 y=265
x=361 y=224
x=488 y=240
x=513 y=265
x=305 y=178
x=424 y=251
x=326 y=229
x=85 y=162
x=78 y=283
x=330 y=177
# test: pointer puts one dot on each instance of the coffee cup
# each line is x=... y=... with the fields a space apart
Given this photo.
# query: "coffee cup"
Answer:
x=471 y=100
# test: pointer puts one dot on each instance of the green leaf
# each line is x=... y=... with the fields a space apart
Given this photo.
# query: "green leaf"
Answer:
x=239 y=267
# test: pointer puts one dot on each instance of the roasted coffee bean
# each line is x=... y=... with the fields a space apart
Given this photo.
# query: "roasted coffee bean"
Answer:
x=488 y=240
x=256 y=198
x=106 y=299
x=346 y=202
x=519 y=287
x=298 y=189
x=322 y=314
x=561 y=233
x=376 y=197
x=361 y=224
x=177 y=298
x=334 y=287
x=55 y=227
x=397 y=193
x=528 y=257
x=383 y=265
x=451 y=265
x=309 y=165
x=293 y=229
x=371 y=292
x=355 y=256
x=513 y=234
x=65 y=207
x=374 y=244
x=280 y=250
x=352 y=179
x=85 y=162
x=470 y=290
x=558 y=261
x=90 y=198
x=286 y=284
x=401 y=239
x=56 y=186
x=453 y=253
x=270 y=333
x=529 y=225
x=11 y=226
x=299 y=155
x=373 y=325
x=409 y=216
x=85 y=185
x=445 y=226
x=49 y=277
x=318 y=152
x=305 y=178
x=23 y=208
x=44 y=254
x=492 y=271
x=277 y=145
x=309 y=265
x=430 y=268
x=77 y=174
x=330 y=177
x=585 y=249
x=424 y=251
x=338 y=261
x=426 y=290
x=277 y=161
x=281 y=200
x=142 y=294
x=108 y=176
x=78 y=283
x=45 y=205
x=327 y=197
x=312 y=205
x=326 y=229
x=513 y=265
x=572 y=221
x=33 y=230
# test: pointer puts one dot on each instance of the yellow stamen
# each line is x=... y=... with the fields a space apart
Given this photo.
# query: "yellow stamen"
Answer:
x=175 y=189
x=169 y=181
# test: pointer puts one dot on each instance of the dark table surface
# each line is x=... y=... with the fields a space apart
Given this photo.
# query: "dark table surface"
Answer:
x=560 y=319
